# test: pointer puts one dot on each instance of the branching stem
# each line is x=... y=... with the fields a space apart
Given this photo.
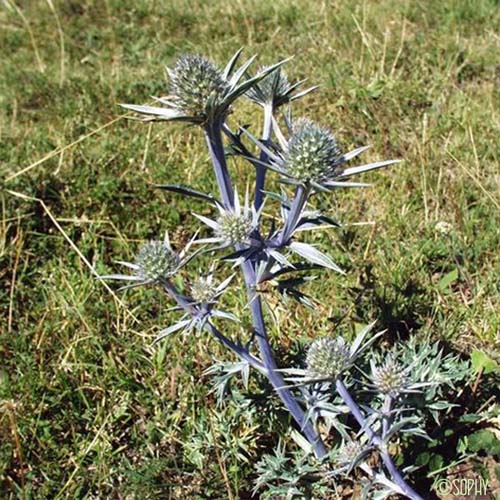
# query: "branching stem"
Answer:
x=186 y=304
x=274 y=376
x=376 y=441
x=217 y=154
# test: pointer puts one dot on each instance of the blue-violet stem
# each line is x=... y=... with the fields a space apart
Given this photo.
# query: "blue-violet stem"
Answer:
x=217 y=154
x=274 y=376
x=261 y=170
x=213 y=137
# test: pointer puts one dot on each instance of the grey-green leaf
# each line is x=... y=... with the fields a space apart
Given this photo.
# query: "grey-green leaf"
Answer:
x=313 y=255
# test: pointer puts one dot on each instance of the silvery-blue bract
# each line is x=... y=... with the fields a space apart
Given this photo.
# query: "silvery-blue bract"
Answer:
x=275 y=89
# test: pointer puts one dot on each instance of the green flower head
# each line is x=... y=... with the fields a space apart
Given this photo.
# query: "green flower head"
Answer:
x=155 y=261
x=328 y=358
x=312 y=152
x=200 y=92
x=203 y=289
x=276 y=90
x=195 y=82
x=349 y=452
x=390 y=378
x=234 y=228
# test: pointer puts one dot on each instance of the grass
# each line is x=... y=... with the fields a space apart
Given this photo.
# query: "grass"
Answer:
x=89 y=409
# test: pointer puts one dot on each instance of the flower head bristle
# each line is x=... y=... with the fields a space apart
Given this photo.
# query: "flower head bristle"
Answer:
x=234 y=227
x=312 y=153
x=203 y=289
x=156 y=260
x=328 y=357
x=390 y=378
x=349 y=452
x=194 y=80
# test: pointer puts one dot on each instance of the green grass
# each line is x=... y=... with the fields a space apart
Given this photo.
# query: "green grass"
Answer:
x=89 y=409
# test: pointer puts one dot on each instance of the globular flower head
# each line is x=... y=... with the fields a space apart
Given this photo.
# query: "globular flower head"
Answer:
x=328 y=357
x=203 y=289
x=194 y=81
x=350 y=452
x=156 y=260
x=234 y=228
x=311 y=157
x=390 y=378
x=206 y=291
x=273 y=85
x=312 y=152
x=270 y=90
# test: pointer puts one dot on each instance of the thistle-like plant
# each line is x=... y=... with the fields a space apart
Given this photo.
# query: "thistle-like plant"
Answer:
x=307 y=156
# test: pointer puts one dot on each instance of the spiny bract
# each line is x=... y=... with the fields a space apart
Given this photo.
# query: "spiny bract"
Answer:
x=234 y=228
x=156 y=261
x=327 y=357
x=270 y=88
x=390 y=378
x=312 y=153
x=193 y=81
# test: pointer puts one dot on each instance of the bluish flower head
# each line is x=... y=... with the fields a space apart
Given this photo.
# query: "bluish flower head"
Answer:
x=204 y=289
x=328 y=357
x=311 y=157
x=312 y=152
x=201 y=92
x=156 y=261
x=275 y=84
x=272 y=89
x=390 y=378
x=275 y=89
x=349 y=452
x=194 y=83
x=234 y=228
